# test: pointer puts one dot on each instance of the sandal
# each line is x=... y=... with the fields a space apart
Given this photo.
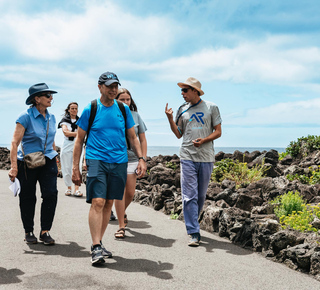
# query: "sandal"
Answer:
x=120 y=233
x=68 y=192
x=78 y=193
x=125 y=220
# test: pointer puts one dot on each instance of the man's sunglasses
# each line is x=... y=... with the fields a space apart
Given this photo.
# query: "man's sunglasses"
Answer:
x=185 y=90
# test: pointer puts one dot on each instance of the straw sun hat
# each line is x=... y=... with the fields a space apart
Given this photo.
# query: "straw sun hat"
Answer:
x=194 y=83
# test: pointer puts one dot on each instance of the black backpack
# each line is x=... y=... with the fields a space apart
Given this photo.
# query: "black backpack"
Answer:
x=93 y=113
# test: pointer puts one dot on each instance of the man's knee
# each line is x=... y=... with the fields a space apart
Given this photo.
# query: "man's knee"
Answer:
x=98 y=204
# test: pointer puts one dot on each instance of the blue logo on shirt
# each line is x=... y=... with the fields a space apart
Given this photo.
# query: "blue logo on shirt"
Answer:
x=198 y=117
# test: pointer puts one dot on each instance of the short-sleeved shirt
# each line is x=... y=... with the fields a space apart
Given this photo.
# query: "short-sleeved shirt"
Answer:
x=34 y=137
x=197 y=122
x=106 y=141
x=139 y=128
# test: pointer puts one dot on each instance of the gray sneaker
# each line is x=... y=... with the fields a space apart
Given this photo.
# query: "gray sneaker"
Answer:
x=194 y=240
x=96 y=255
x=105 y=252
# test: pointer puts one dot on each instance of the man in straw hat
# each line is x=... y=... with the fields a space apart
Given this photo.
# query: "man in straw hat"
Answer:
x=199 y=123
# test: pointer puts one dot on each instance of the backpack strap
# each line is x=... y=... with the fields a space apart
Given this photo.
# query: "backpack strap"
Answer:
x=93 y=112
x=124 y=114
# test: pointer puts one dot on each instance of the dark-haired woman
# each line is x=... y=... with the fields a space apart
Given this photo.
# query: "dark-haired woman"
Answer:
x=69 y=129
x=35 y=130
x=140 y=129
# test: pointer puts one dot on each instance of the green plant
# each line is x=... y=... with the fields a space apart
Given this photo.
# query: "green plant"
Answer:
x=287 y=203
x=171 y=165
x=173 y=215
x=303 y=146
x=302 y=178
x=300 y=221
x=282 y=155
x=294 y=213
x=237 y=172
x=312 y=177
x=220 y=168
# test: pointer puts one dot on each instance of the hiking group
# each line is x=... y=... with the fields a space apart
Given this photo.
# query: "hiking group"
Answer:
x=115 y=156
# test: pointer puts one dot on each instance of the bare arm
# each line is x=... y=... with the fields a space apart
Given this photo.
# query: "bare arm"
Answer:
x=213 y=136
x=77 y=149
x=67 y=132
x=173 y=126
x=84 y=163
x=17 y=137
x=143 y=144
x=135 y=144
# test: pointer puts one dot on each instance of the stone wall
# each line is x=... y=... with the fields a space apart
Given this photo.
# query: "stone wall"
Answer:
x=243 y=215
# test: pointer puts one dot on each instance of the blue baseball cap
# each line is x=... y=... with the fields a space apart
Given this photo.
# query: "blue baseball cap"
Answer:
x=108 y=78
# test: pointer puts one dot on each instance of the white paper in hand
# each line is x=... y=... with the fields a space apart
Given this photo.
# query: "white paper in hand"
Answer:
x=15 y=186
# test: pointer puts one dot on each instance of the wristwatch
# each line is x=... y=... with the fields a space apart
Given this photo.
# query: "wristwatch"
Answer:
x=143 y=159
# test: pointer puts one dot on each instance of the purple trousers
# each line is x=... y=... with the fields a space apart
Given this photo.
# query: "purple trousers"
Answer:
x=195 y=177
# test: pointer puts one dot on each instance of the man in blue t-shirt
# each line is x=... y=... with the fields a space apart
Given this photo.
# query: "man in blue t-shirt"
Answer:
x=106 y=159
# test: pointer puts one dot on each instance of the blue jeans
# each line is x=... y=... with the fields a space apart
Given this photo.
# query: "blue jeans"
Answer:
x=195 y=177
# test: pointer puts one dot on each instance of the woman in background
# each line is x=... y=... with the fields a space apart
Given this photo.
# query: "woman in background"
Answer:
x=140 y=128
x=69 y=129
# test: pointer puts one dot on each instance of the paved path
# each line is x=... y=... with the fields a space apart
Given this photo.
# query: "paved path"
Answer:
x=154 y=255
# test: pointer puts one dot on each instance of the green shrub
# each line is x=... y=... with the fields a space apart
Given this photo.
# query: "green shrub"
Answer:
x=173 y=215
x=237 y=172
x=282 y=155
x=303 y=146
x=313 y=177
x=287 y=203
x=220 y=168
x=301 y=220
x=302 y=178
x=171 y=165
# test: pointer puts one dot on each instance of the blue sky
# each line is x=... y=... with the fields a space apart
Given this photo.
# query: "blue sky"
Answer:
x=259 y=61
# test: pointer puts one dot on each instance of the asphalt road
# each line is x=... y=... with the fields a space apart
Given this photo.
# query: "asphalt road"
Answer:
x=154 y=254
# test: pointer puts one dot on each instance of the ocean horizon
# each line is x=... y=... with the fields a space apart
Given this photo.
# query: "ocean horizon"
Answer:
x=170 y=150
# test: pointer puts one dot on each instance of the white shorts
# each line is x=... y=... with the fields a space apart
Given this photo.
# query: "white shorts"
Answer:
x=132 y=166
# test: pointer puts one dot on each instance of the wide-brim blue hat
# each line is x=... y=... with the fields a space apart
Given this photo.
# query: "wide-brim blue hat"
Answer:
x=36 y=90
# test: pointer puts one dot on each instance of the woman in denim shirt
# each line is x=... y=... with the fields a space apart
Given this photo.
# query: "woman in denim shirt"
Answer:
x=31 y=131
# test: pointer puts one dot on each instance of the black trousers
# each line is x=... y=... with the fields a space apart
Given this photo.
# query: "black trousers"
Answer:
x=47 y=177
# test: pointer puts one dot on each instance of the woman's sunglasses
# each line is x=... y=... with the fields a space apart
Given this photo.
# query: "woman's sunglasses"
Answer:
x=46 y=95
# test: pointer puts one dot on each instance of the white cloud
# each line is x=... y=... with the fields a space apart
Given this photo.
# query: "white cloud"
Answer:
x=281 y=114
x=105 y=35
x=277 y=60
x=103 y=32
